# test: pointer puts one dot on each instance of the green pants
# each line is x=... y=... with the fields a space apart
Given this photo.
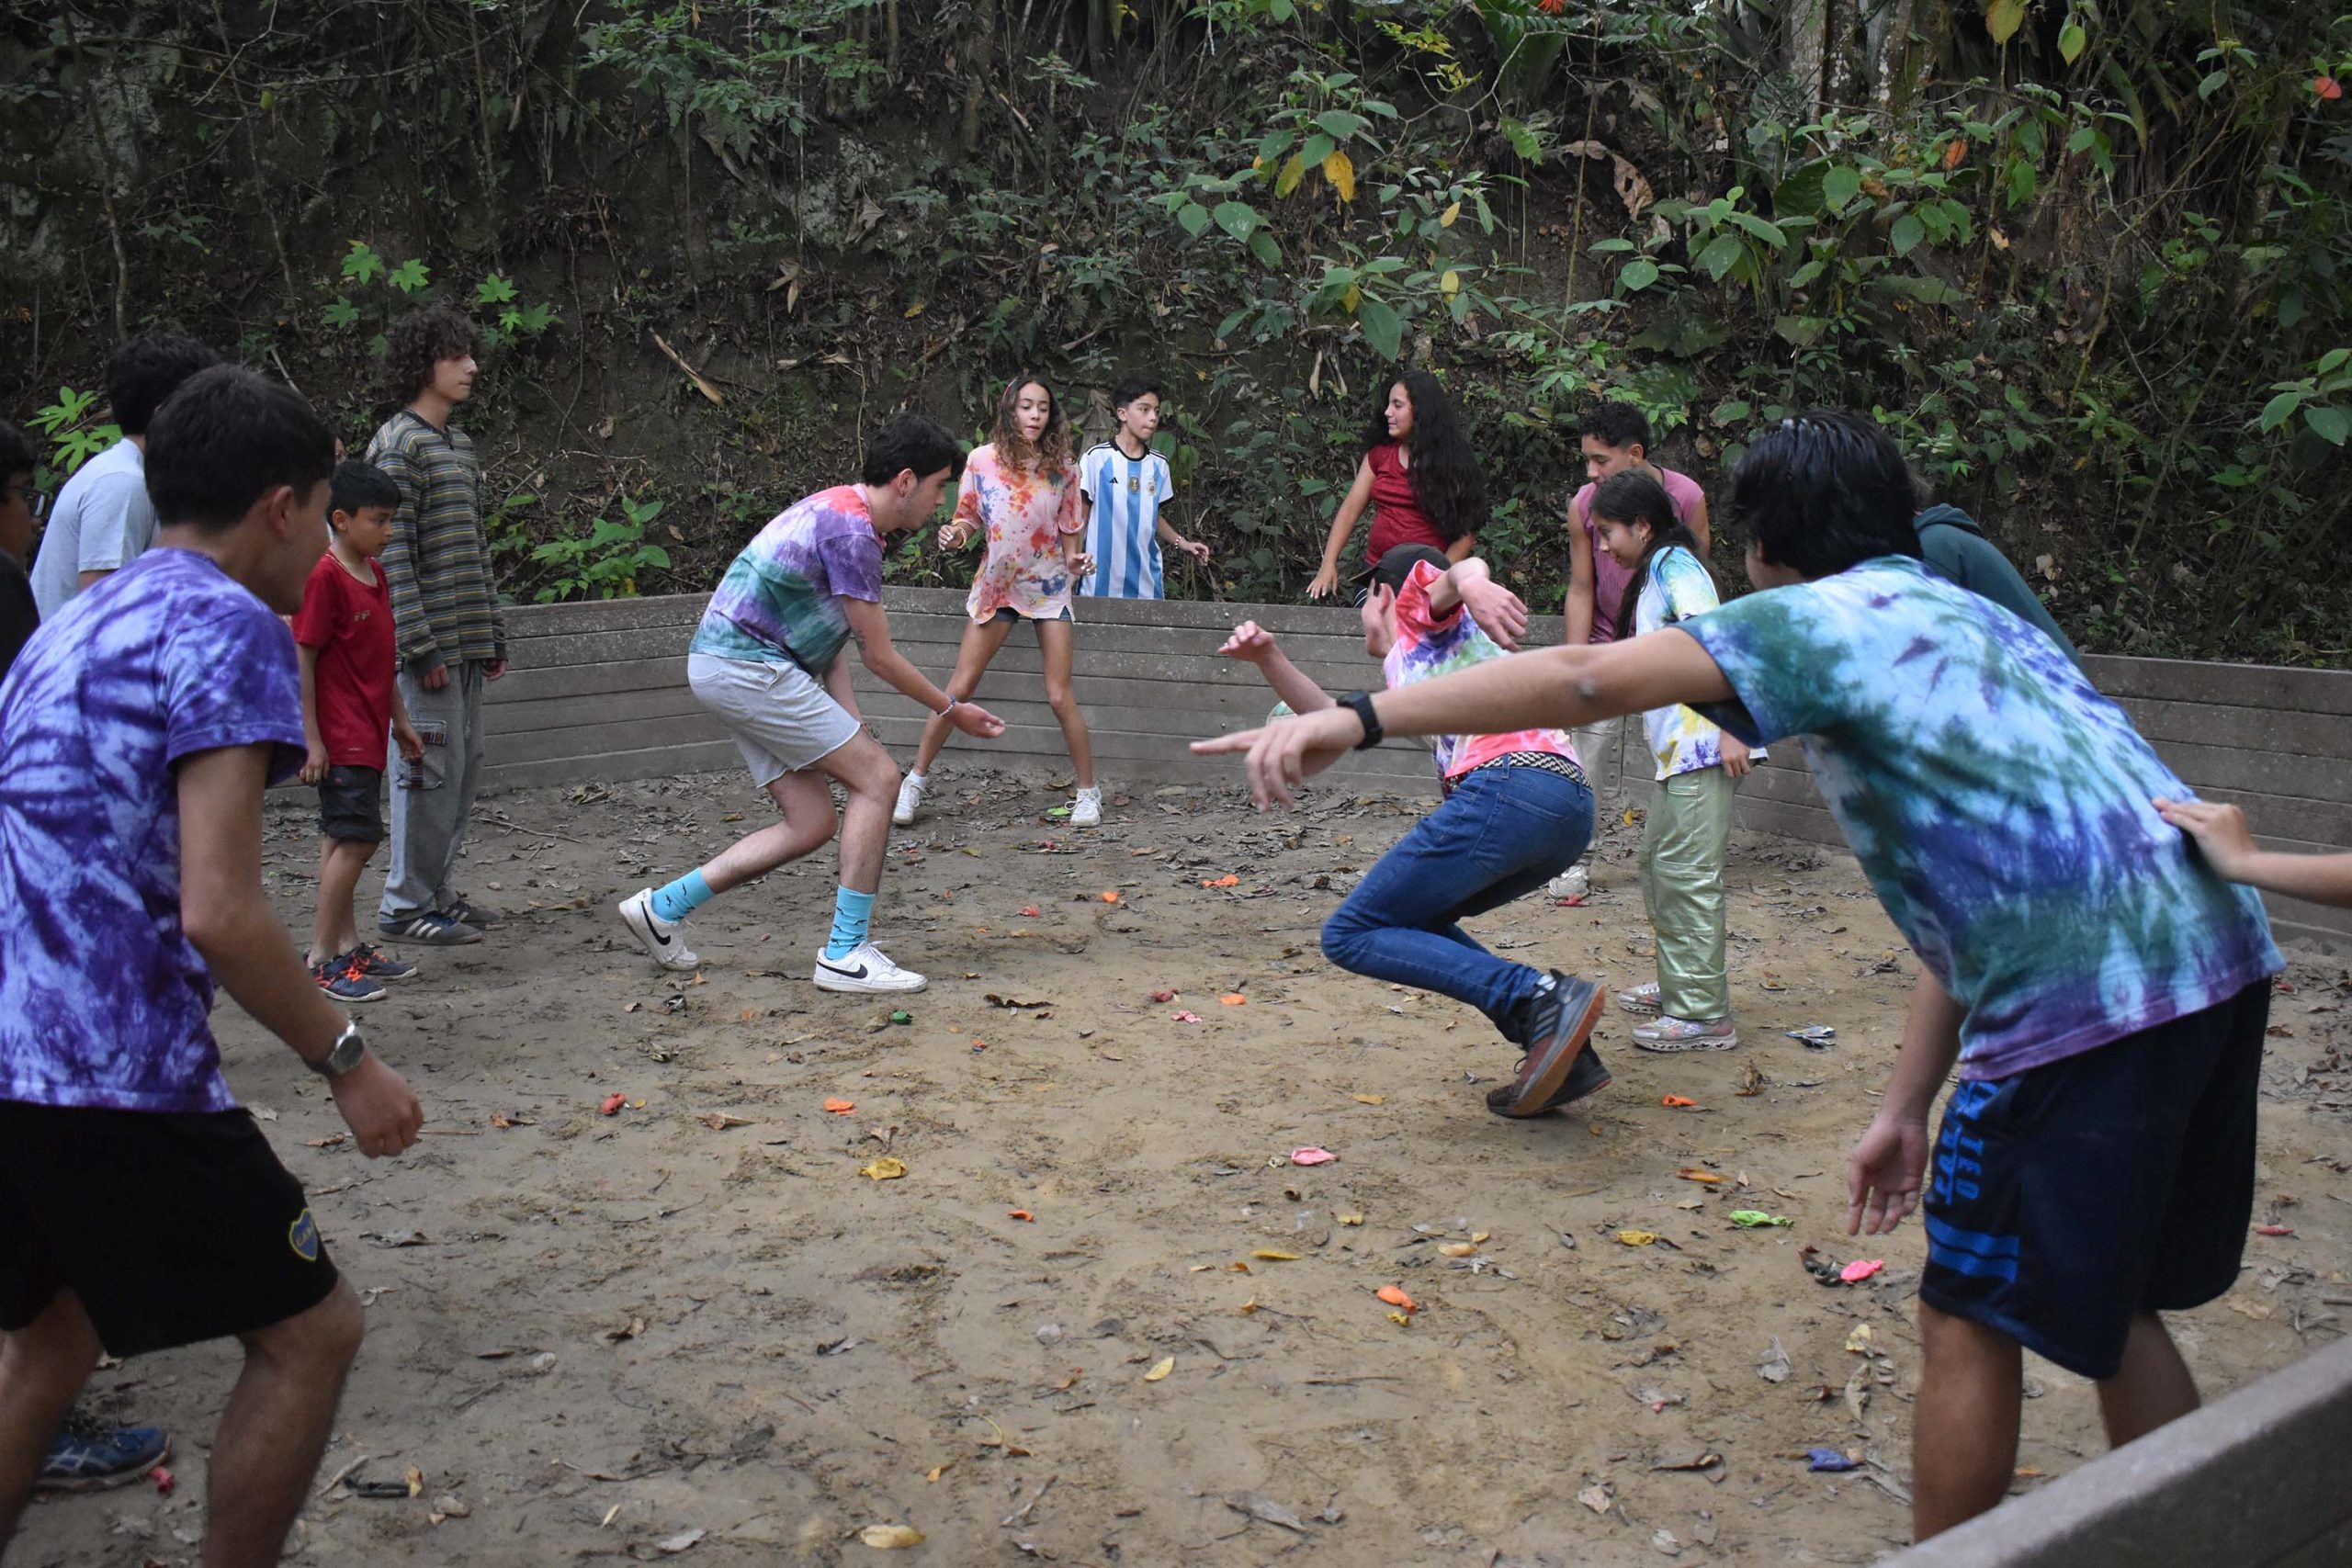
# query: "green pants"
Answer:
x=1682 y=889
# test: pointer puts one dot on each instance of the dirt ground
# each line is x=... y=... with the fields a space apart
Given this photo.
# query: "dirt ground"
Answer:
x=1101 y=1318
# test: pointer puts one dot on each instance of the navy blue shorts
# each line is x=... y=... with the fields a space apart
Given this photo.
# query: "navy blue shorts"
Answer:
x=2066 y=1198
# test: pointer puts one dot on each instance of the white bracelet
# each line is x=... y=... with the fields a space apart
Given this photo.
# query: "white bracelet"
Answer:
x=952 y=702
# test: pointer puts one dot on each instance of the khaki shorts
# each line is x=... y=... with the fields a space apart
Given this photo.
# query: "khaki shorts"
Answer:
x=778 y=716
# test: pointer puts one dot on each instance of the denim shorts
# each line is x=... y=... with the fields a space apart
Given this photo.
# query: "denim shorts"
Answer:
x=779 y=716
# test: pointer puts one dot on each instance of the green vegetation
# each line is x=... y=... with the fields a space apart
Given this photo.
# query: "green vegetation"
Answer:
x=2089 y=261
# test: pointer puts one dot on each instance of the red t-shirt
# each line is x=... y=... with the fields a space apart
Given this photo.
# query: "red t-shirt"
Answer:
x=350 y=622
x=1397 y=515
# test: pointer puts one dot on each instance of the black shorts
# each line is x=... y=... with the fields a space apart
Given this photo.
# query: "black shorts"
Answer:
x=351 y=805
x=172 y=1228
x=1012 y=617
x=2063 y=1200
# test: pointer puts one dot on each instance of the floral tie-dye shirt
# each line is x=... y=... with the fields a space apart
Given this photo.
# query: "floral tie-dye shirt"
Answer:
x=781 y=597
x=1429 y=644
x=1677 y=588
x=104 y=1001
x=1023 y=516
x=2000 y=805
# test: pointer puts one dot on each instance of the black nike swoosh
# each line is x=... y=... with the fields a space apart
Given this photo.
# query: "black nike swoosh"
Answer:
x=856 y=973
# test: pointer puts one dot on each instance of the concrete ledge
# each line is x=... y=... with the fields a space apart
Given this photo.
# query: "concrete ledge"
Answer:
x=2256 y=1481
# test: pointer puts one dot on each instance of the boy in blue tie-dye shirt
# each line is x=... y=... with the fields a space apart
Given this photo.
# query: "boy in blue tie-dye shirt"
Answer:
x=2102 y=991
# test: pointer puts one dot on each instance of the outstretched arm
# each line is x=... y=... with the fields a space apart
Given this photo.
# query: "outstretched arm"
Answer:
x=2229 y=848
x=1252 y=644
x=1554 y=687
x=871 y=629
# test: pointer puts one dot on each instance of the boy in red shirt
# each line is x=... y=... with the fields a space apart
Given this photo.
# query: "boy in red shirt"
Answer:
x=344 y=633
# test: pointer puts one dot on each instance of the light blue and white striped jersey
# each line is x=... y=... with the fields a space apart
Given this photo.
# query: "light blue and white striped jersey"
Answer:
x=1122 y=533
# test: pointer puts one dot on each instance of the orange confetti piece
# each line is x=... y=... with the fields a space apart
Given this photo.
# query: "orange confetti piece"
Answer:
x=1394 y=1296
x=1692 y=1173
x=841 y=1107
x=1227 y=880
x=1029 y=912
x=1019 y=1215
x=1111 y=896
x=1677 y=1102
x=1234 y=1000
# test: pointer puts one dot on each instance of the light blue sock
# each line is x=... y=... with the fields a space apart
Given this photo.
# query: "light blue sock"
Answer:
x=681 y=897
x=851 y=912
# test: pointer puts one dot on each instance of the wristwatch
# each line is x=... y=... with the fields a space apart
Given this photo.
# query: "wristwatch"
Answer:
x=1361 y=703
x=349 y=1049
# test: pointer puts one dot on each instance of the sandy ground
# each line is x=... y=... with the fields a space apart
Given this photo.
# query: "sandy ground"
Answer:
x=694 y=1328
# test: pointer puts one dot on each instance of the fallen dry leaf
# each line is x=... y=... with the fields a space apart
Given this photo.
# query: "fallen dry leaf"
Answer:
x=1596 y=1497
x=1272 y=1255
x=330 y=1142
x=1167 y=1365
x=674 y=1544
x=891 y=1537
x=1372 y=1100
x=937 y=1471
x=719 y=1121
x=1351 y=1219
x=1456 y=1250
x=889 y=1168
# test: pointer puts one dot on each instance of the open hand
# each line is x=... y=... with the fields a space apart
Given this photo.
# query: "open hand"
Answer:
x=1327 y=581
x=314 y=763
x=1500 y=613
x=2221 y=832
x=379 y=1108
x=1251 y=642
x=1285 y=753
x=1882 y=1174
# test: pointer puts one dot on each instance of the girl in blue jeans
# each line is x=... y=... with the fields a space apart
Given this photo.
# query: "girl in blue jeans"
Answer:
x=1517 y=812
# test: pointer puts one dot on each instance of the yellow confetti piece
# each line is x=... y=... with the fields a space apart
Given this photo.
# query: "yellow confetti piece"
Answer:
x=1166 y=1366
x=1638 y=1238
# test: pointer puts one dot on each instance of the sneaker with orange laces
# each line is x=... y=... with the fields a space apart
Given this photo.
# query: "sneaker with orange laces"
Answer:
x=345 y=978
x=378 y=965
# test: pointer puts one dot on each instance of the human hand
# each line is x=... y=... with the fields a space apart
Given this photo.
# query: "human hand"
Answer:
x=1500 y=613
x=1738 y=758
x=1327 y=581
x=411 y=743
x=1194 y=548
x=1081 y=564
x=494 y=670
x=1882 y=1174
x=377 y=1107
x=436 y=679
x=314 y=763
x=1251 y=642
x=1283 y=754
x=2219 y=831
x=952 y=534
x=976 y=721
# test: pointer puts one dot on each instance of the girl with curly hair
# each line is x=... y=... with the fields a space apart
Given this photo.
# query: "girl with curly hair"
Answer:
x=1418 y=475
x=1020 y=494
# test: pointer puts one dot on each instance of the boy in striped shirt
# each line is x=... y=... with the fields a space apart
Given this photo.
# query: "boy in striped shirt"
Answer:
x=1122 y=483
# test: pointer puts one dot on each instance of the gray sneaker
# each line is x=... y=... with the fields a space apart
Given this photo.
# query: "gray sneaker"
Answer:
x=430 y=927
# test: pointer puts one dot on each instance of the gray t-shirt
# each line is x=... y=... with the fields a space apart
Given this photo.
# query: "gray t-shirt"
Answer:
x=102 y=520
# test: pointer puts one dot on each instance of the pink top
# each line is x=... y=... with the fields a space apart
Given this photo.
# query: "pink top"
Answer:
x=1608 y=578
x=1429 y=644
x=1023 y=516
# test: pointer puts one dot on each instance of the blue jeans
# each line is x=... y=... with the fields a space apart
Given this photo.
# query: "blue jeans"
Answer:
x=1505 y=831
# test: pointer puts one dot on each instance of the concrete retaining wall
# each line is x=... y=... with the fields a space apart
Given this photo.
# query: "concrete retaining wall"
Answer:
x=598 y=691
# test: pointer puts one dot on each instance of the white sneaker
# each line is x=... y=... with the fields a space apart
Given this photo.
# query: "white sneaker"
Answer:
x=1570 y=885
x=1086 y=811
x=663 y=941
x=867 y=969
x=909 y=801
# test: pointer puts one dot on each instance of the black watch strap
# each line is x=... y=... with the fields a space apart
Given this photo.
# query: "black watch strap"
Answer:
x=1361 y=703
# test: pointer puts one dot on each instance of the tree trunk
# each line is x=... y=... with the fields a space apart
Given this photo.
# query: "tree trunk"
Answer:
x=981 y=63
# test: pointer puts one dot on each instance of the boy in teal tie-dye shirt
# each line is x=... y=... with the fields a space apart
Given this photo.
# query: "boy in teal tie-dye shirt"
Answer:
x=2103 y=992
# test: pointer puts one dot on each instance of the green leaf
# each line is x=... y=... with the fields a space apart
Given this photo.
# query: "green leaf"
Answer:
x=1294 y=170
x=1225 y=328
x=2331 y=361
x=361 y=263
x=1235 y=218
x=1194 y=217
x=1768 y=233
x=1798 y=194
x=1318 y=147
x=1638 y=275
x=2003 y=17
x=2214 y=82
x=410 y=275
x=1608 y=247
x=1338 y=124
x=494 y=290
x=1840 y=186
x=2291 y=306
x=653 y=555
x=1382 y=328
x=1731 y=412
x=1723 y=253
x=2071 y=39
x=2331 y=425
x=2278 y=410
x=1522 y=141
x=341 y=312
x=1262 y=246
x=1272 y=145
x=1926 y=291
x=1799 y=332
x=1907 y=233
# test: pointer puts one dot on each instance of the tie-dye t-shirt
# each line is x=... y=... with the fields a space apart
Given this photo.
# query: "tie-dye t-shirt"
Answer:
x=1428 y=644
x=103 y=1002
x=1023 y=516
x=1677 y=588
x=781 y=599
x=2000 y=805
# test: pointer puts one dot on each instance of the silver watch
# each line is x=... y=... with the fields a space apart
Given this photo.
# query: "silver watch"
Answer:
x=349 y=1049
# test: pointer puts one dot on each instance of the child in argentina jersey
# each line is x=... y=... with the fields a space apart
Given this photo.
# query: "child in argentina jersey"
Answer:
x=1122 y=483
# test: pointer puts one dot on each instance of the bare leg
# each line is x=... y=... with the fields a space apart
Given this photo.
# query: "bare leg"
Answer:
x=808 y=824
x=332 y=929
x=869 y=776
x=2151 y=1388
x=43 y=1367
x=1056 y=642
x=1964 y=1426
x=979 y=645
x=274 y=1429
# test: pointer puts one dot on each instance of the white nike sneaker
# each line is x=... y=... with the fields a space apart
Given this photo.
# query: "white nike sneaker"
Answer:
x=1571 y=886
x=663 y=941
x=1086 y=811
x=909 y=801
x=867 y=969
